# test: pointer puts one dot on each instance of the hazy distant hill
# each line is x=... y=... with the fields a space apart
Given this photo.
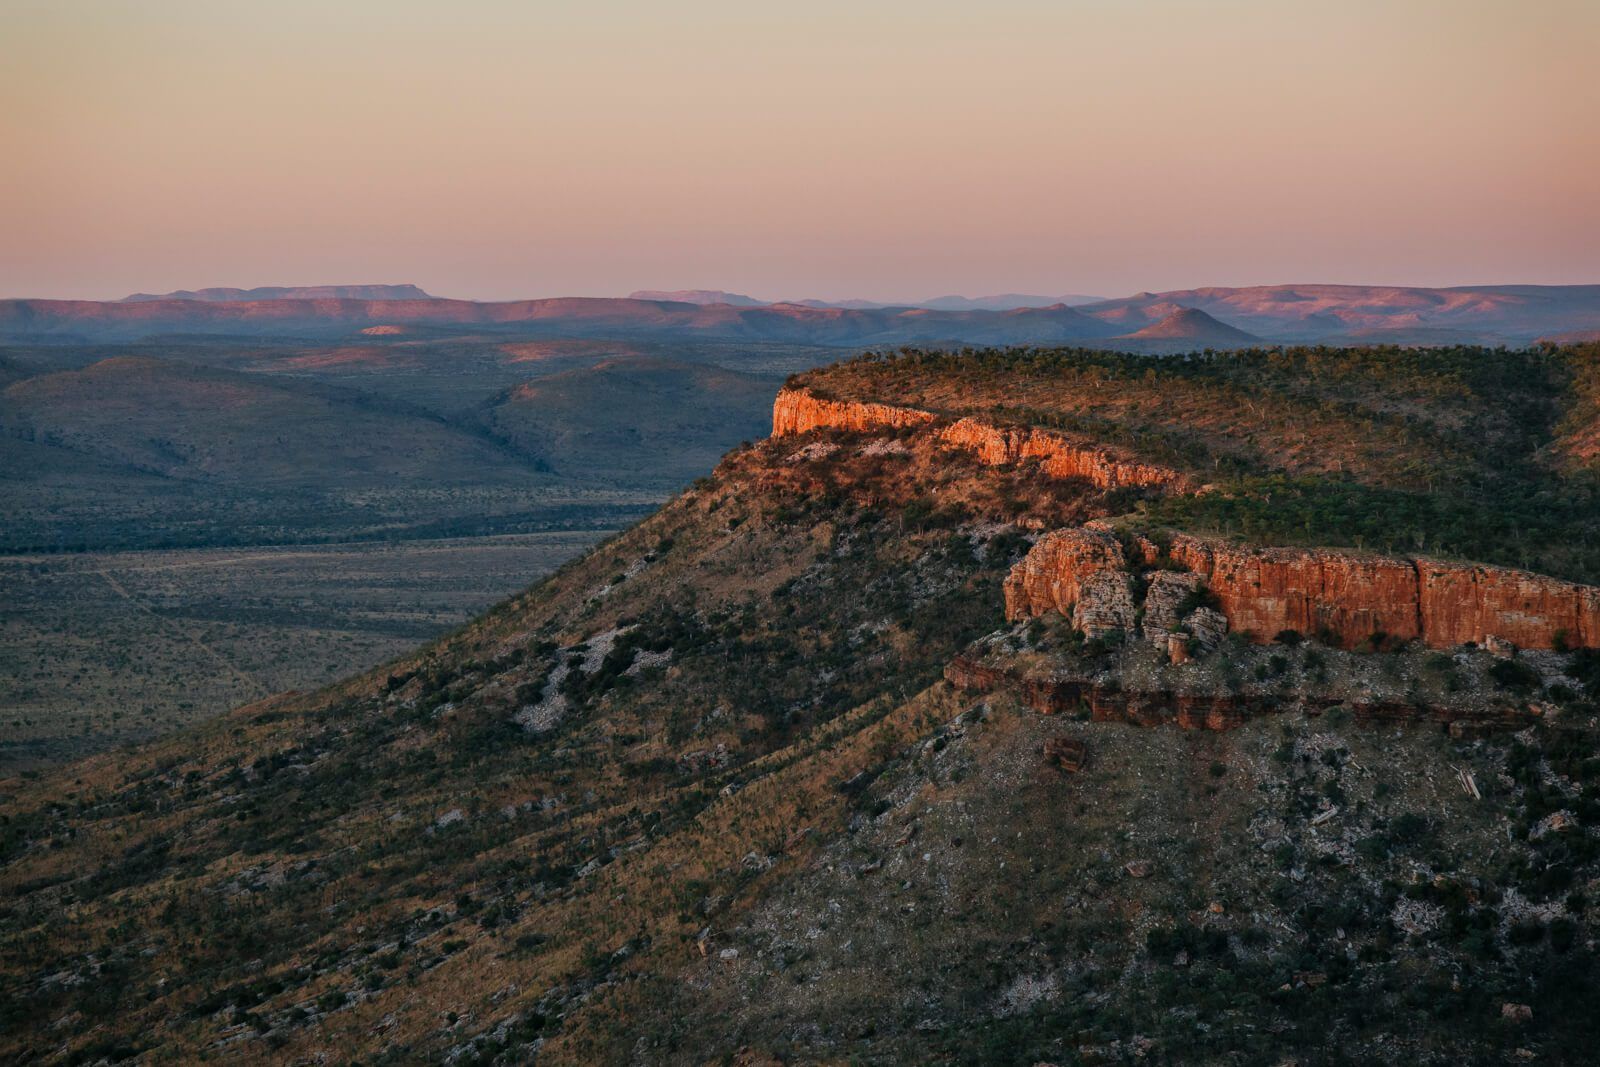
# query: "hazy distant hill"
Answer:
x=1005 y=301
x=558 y=317
x=1277 y=313
x=289 y=292
x=648 y=421
x=698 y=296
x=1574 y=336
x=203 y=424
x=1192 y=324
x=997 y=302
x=1310 y=312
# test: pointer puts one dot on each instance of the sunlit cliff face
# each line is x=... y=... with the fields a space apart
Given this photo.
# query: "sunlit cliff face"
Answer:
x=898 y=151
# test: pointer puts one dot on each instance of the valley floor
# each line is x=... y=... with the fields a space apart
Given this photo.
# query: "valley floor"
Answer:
x=99 y=648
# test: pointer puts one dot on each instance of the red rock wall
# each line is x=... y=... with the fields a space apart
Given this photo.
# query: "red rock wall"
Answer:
x=1323 y=592
x=1269 y=590
x=797 y=410
x=1049 y=577
x=1262 y=590
x=1461 y=602
x=1057 y=456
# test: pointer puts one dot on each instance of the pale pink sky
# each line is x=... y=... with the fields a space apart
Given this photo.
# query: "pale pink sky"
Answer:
x=889 y=149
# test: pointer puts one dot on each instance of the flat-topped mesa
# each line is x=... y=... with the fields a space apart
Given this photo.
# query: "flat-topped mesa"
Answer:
x=1340 y=597
x=799 y=410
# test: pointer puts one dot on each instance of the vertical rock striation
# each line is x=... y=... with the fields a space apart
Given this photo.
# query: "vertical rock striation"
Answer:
x=1342 y=597
x=1268 y=590
x=797 y=411
x=1051 y=576
x=1461 y=602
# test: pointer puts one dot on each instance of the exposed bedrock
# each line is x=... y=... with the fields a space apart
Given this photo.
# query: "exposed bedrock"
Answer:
x=1341 y=597
x=1059 y=456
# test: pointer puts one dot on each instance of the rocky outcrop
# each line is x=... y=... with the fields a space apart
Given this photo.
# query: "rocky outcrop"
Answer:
x=1059 y=456
x=1084 y=574
x=1208 y=627
x=1168 y=595
x=1340 y=597
x=798 y=411
x=1265 y=591
x=1460 y=602
x=1050 y=576
x=1105 y=603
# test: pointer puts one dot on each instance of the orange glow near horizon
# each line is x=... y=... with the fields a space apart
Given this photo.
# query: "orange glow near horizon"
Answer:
x=495 y=149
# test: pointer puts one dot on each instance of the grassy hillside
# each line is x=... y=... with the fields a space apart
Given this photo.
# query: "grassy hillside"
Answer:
x=191 y=423
x=141 y=452
x=703 y=796
x=197 y=443
x=642 y=421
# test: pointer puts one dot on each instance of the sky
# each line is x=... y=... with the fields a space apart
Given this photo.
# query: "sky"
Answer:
x=888 y=149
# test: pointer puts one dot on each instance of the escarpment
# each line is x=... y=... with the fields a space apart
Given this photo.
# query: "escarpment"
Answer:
x=799 y=410
x=1342 y=598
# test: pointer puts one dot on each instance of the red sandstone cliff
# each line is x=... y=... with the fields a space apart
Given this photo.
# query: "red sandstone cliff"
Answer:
x=1050 y=576
x=1268 y=590
x=1461 y=602
x=798 y=410
x=1339 y=595
x=1058 y=456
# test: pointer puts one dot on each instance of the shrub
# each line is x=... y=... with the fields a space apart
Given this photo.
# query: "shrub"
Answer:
x=1514 y=675
x=1408 y=829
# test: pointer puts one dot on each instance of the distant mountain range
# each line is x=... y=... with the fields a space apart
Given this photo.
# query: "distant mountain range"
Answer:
x=288 y=292
x=998 y=302
x=1512 y=314
x=698 y=296
x=1006 y=301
